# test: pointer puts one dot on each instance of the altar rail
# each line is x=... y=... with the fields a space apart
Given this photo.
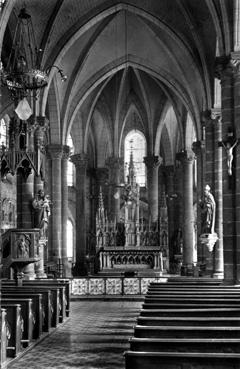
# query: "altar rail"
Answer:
x=104 y=286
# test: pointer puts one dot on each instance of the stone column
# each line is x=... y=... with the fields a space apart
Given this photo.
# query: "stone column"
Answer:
x=236 y=25
x=218 y=262
x=171 y=206
x=224 y=72
x=198 y=148
x=152 y=163
x=236 y=153
x=65 y=157
x=41 y=126
x=25 y=196
x=187 y=158
x=80 y=161
x=115 y=166
x=55 y=151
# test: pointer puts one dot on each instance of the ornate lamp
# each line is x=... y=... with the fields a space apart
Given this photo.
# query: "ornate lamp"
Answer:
x=22 y=74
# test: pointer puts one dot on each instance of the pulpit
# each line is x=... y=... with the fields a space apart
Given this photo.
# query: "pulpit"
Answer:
x=20 y=247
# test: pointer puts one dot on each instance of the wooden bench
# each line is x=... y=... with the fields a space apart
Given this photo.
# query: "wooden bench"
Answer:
x=54 y=298
x=58 y=298
x=190 y=293
x=49 y=282
x=14 y=327
x=37 y=308
x=197 y=300
x=186 y=332
x=27 y=316
x=166 y=360
x=227 y=345
x=190 y=311
x=4 y=336
x=46 y=303
x=189 y=321
x=187 y=305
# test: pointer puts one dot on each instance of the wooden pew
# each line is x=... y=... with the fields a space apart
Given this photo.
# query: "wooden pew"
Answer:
x=58 y=298
x=166 y=292
x=46 y=303
x=192 y=312
x=227 y=345
x=189 y=321
x=4 y=337
x=50 y=282
x=37 y=308
x=27 y=316
x=197 y=300
x=166 y=360
x=14 y=328
x=54 y=298
x=186 y=332
x=187 y=305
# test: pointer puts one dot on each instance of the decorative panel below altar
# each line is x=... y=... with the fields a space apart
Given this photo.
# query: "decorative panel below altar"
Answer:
x=123 y=258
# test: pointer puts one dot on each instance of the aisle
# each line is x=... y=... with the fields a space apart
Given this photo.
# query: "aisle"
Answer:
x=95 y=337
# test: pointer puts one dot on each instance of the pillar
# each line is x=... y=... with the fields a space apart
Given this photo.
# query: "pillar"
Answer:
x=224 y=71
x=218 y=263
x=65 y=157
x=236 y=153
x=152 y=163
x=171 y=207
x=198 y=148
x=80 y=161
x=236 y=25
x=56 y=151
x=187 y=158
x=115 y=165
x=24 y=221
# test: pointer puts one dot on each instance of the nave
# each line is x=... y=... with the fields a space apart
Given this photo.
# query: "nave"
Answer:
x=95 y=336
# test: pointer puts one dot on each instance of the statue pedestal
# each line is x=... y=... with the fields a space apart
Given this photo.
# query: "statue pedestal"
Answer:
x=209 y=240
x=39 y=266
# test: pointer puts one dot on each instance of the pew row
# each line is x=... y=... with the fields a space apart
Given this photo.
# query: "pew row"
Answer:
x=30 y=312
x=185 y=344
x=167 y=360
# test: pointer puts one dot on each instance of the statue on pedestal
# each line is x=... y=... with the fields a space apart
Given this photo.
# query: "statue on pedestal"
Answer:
x=208 y=205
x=42 y=211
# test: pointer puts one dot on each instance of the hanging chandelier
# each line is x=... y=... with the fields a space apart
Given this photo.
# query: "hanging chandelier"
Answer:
x=22 y=74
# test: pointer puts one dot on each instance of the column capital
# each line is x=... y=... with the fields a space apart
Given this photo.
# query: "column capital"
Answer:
x=66 y=152
x=152 y=161
x=235 y=62
x=114 y=162
x=216 y=114
x=197 y=147
x=55 y=151
x=186 y=156
x=80 y=160
x=223 y=67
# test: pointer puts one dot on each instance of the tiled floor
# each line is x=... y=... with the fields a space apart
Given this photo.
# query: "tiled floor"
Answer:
x=95 y=337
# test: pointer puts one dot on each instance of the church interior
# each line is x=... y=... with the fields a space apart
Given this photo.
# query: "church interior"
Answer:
x=120 y=184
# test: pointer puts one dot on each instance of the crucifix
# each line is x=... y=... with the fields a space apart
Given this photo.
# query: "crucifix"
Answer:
x=228 y=146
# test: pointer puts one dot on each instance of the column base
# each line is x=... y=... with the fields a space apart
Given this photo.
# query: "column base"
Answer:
x=218 y=275
x=67 y=268
x=189 y=270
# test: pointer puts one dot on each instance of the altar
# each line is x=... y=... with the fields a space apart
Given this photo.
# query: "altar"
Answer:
x=133 y=243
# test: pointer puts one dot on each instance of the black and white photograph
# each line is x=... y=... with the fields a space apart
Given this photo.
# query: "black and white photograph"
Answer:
x=120 y=184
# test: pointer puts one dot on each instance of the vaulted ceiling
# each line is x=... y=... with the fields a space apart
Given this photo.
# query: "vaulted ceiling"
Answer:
x=151 y=58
